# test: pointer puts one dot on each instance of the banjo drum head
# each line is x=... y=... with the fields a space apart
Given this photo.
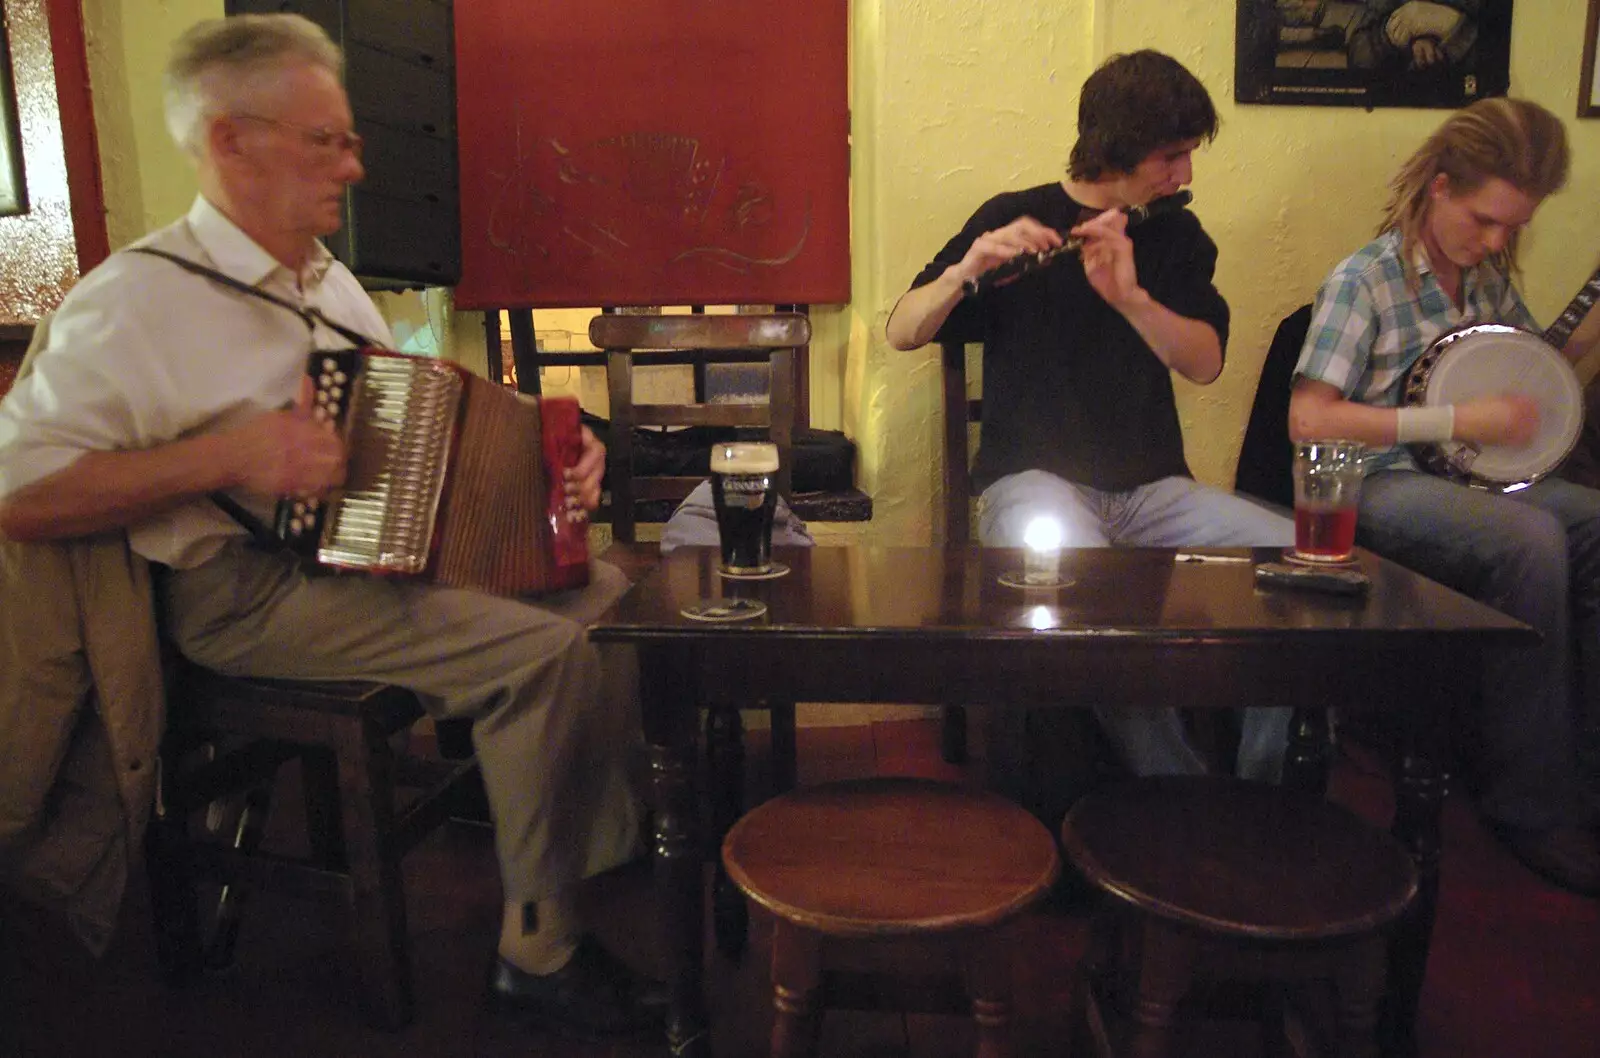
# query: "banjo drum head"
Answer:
x=1490 y=358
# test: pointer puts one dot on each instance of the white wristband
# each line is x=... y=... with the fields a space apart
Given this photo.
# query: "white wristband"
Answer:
x=1425 y=424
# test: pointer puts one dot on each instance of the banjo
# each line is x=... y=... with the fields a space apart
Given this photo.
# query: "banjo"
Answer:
x=1489 y=358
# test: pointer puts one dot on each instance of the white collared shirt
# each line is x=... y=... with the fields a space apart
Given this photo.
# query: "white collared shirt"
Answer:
x=143 y=352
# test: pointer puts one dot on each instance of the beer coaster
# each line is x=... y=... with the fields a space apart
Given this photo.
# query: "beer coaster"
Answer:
x=719 y=611
x=1291 y=555
x=1014 y=579
x=778 y=570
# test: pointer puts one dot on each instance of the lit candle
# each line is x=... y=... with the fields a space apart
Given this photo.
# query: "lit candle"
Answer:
x=1042 y=559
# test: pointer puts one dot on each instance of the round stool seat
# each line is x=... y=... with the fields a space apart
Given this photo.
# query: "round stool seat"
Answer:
x=876 y=857
x=1239 y=859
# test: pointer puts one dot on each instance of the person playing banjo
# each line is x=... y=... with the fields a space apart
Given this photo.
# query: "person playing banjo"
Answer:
x=1442 y=261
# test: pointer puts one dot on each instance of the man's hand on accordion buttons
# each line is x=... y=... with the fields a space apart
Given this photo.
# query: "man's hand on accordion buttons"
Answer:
x=288 y=453
x=583 y=478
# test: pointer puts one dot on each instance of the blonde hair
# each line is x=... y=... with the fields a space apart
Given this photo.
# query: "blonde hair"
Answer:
x=223 y=65
x=1514 y=140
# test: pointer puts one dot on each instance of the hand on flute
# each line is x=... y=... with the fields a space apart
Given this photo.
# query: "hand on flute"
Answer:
x=993 y=249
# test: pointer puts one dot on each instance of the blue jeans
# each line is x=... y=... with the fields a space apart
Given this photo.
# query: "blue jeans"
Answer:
x=1533 y=555
x=1171 y=512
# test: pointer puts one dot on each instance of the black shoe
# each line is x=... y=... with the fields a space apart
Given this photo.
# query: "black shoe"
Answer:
x=1568 y=857
x=595 y=996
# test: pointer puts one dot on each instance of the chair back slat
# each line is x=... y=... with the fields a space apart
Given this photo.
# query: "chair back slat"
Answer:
x=777 y=330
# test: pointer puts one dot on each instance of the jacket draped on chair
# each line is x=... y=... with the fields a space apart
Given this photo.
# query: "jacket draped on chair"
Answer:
x=81 y=715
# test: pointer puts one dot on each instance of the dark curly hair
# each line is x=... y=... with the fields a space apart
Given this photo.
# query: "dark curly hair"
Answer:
x=1132 y=105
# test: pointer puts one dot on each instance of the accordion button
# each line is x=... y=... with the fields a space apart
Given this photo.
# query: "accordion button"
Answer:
x=319 y=413
x=336 y=392
x=340 y=377
x=330 y=364
x=296 y=526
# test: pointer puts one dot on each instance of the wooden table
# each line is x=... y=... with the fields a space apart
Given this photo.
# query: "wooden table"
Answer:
x=1135 y=629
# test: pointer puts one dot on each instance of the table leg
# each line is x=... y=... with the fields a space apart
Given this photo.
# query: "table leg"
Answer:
x=1306 y=760
x=668 y=697
x=1419 y=808
x=730 y=915
x=1419 y=803
x=784 y=751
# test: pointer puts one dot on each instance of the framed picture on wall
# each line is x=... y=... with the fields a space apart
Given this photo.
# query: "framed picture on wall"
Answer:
x=1372 y=53
x=1588 y=90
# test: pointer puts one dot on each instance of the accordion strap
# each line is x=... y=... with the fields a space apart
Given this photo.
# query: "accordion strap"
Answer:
x=258 y=530
x=311 y=316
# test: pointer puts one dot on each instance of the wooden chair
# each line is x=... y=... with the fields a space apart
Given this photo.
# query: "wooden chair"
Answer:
x=854 y=872
x=1265 y=469
x=699 y=339
x=1265 y=465
x=961 y=410
x=1212 y=879
x=626 y=340
x=227 y=739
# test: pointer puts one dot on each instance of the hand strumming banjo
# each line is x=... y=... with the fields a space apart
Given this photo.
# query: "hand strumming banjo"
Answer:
x=1490 y=358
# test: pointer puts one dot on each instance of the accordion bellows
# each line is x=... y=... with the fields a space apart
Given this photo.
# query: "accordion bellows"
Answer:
x=452 y=479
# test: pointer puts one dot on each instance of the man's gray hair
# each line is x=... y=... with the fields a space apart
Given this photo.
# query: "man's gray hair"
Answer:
x=223 y=65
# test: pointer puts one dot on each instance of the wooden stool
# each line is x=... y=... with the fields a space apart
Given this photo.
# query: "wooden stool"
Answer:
x=932 y=868
x=1228 y=880
x=343 y=735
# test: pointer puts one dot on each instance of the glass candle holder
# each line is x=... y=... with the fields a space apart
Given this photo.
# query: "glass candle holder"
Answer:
x=1042 y=552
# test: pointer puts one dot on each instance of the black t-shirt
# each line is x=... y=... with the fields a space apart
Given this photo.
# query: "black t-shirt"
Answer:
x=1069 y=387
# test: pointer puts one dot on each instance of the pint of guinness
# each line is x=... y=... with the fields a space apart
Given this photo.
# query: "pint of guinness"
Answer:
x=744 y=491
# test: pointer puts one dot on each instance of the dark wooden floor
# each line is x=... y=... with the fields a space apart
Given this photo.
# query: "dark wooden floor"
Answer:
x=1516 y=968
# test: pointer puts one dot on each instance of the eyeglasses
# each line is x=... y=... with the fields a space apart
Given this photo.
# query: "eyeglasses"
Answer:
x=323 y=141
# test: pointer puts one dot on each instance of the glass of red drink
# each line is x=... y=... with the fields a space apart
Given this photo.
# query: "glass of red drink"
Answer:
x=1327 y=491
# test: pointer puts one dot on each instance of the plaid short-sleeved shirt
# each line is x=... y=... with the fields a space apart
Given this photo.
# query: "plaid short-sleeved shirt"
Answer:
x=1369 y=325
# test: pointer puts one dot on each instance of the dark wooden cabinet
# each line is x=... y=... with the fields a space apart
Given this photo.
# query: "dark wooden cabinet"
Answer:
x=402 y=224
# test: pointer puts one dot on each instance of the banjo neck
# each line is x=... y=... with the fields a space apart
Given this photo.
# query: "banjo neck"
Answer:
x=1576 y=310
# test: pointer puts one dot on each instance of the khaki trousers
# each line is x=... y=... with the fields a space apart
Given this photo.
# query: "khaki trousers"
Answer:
x=554 y=720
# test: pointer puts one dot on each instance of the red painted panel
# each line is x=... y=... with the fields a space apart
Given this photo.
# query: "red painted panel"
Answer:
x=77 y=133
x=653 y=152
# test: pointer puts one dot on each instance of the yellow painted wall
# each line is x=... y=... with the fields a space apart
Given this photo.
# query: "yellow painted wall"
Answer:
x=951 y=103
x=147 y=182
x=955 y=102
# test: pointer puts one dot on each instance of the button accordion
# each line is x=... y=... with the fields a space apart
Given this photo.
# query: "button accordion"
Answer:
x=452 y=479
